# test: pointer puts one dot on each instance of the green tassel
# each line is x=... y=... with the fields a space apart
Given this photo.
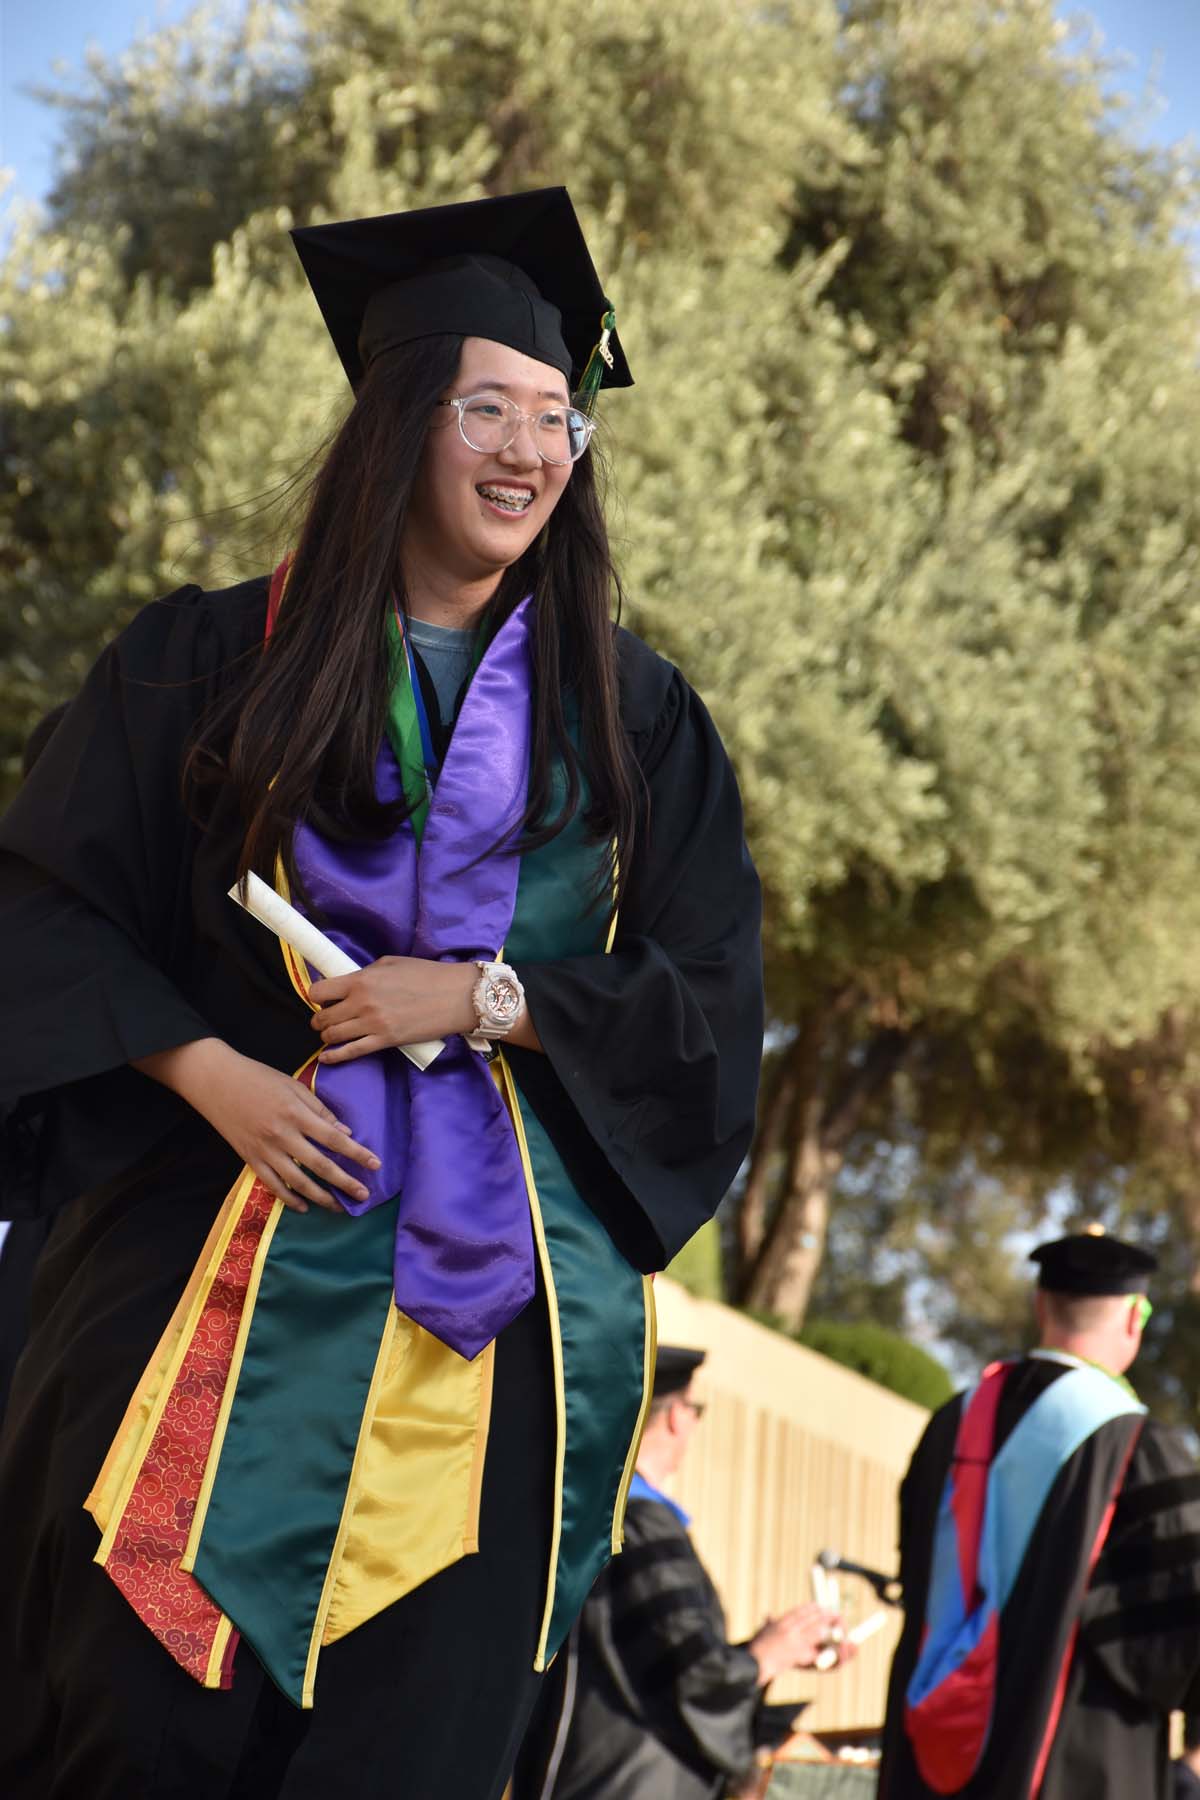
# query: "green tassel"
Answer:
x=600 y=359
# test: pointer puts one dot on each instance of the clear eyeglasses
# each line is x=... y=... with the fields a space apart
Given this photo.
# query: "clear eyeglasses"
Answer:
x=490 y=422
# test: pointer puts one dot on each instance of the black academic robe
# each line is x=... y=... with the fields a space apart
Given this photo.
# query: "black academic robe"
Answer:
x=1130 y=1633
x=1185 y=1783
x=122 y=942
x=653 y=1702
x=19 y=1252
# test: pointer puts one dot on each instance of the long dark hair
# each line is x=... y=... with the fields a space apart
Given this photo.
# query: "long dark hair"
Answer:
x=298 y=737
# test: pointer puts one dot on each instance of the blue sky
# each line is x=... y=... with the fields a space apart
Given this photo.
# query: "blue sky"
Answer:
x=34 y=34
x=1163 y=38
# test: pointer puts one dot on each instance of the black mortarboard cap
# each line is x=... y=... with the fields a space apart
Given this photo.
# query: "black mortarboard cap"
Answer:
x=515 y=269
x=673 y=1369
x=1091 y=1262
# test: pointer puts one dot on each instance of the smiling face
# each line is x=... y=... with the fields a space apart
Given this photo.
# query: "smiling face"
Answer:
x=473 y=514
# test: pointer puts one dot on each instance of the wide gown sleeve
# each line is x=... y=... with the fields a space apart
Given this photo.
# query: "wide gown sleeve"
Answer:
x=668 y=1652
x=95 y=865
x=655 y=1048
x=1141 y=1614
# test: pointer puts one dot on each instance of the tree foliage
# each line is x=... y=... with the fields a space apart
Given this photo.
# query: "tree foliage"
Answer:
x=907 y=486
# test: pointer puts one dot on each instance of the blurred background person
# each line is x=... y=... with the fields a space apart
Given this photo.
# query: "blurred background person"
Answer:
x=1046 y=1654
x=650 y=1700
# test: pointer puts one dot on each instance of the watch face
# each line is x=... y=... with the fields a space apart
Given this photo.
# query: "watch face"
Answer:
x=501 y=999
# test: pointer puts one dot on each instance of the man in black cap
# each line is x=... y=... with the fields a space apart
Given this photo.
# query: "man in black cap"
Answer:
x=652 y=1701
x=1050 y=1560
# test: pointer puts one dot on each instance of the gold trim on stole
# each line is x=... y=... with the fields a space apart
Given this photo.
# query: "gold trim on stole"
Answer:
x=216 y=1657
x=649 y=1351
x=188 y=1560
x=507 y=1086
x=122 y=1465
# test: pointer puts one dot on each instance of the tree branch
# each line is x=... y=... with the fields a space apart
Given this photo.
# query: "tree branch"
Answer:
x=882 y=1059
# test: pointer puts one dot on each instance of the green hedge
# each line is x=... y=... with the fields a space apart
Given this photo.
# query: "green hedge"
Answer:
x=881 y=1355
x=698 y=1265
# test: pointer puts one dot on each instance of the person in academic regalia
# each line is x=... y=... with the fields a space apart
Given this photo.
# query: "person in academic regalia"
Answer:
x=1050 y=1563
x=650 y=1700
x=343 y=1330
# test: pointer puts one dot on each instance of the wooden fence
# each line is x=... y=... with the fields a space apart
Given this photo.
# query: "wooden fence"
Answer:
x=794 y=1455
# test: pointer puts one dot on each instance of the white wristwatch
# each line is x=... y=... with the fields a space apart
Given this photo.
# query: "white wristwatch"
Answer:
x=498 y=999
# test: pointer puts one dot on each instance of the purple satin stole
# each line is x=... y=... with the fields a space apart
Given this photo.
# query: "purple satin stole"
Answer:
x=464 y=1244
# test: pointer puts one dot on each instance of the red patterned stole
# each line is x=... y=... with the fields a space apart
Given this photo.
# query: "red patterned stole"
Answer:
x=181 y=1410
x=145 y=1555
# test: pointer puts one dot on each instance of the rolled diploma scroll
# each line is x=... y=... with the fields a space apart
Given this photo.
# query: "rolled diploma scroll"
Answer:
x=866 y=1628
x=273 y=911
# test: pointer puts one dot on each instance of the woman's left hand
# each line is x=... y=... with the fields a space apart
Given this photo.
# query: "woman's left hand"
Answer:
x=397 y=1000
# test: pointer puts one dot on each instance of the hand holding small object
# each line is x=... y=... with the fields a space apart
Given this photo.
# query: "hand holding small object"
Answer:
x=843 y=1645
x=793 y=1641
x=396 y=1001
x=311 y=944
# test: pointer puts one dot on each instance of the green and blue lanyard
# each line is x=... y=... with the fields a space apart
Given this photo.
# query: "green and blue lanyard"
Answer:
x=408 y=728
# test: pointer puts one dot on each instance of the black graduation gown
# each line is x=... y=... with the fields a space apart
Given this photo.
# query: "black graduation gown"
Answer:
x=19 y=1252
x=1137 y=1654
x=122 y=942
x=653 y=1701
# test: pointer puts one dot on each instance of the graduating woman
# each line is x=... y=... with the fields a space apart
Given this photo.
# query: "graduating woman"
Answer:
x=343 y=1329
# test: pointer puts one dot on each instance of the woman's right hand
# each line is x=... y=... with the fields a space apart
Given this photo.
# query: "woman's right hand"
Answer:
x=275 y=1123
